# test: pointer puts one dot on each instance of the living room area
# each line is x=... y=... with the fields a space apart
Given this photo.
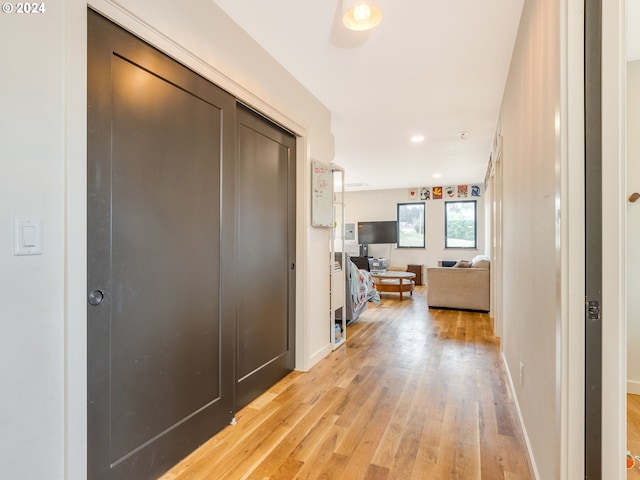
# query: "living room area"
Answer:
x=431 y=244
x=382 y=205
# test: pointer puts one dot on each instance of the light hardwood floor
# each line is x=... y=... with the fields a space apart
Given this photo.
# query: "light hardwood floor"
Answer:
x=414 y=394
x=633 y=433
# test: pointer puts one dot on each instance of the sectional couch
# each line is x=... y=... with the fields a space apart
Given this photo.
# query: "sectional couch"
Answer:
x=465 y=286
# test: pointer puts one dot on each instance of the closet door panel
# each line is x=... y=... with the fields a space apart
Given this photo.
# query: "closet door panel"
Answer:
x=266 y=244
x=160 y=318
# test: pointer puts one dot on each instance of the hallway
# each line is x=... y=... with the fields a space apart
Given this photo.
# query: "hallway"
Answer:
x=414 y=394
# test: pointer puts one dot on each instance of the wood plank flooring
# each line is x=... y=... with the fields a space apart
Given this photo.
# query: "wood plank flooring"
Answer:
x=633 y=433
x=414 y=394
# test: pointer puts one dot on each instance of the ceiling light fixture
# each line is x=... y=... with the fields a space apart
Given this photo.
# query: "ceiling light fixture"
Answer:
x=360 y=15
x=417 y=139
x=463 y=135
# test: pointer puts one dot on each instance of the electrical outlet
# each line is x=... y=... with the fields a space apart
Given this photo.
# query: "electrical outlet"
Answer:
x=521 y=374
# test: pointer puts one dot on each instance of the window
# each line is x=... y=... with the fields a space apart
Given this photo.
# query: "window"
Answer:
x=460 y=224
x=411 y=225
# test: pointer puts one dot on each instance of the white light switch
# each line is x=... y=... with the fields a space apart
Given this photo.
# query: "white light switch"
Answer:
x=28 y=236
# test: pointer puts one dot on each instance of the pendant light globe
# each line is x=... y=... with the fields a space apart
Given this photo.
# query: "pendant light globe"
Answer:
x=361 y=15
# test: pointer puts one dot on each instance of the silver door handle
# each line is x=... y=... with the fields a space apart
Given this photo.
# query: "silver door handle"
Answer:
x=96 y=297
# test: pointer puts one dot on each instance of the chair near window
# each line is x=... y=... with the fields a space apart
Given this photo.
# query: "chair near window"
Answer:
x=417 y=269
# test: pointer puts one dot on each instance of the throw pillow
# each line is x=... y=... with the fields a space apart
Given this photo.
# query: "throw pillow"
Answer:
x=462 y=264
x=480 y=261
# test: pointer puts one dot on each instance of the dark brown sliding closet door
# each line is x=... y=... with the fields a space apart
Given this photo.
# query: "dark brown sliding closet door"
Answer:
x=266 y=254
x=161 y=257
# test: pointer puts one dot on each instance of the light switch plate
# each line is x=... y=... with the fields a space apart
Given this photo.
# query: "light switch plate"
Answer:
x=28 y=236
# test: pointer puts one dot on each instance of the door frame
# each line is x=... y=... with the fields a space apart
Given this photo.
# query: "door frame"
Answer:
x=495 y=179
x=614 y=345
x=571 y=391
x=570 y=324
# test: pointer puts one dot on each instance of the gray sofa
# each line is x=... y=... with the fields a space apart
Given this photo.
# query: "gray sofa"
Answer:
x=464 y=286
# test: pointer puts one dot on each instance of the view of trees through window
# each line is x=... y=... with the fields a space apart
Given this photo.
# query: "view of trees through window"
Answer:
x=411 y=225
x=460 y=220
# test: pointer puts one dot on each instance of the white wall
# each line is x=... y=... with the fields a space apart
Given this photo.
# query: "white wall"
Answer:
x=379 y=205
x=530 y=168
x=633 y=228
x=43 y=164
x=32 y=180
x=542 y=122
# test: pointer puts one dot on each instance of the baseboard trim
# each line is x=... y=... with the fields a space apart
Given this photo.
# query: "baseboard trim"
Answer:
x=532 y=460
x=633 y=387
x=319 y=355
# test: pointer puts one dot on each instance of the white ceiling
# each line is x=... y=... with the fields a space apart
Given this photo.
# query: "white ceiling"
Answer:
x=432 y=67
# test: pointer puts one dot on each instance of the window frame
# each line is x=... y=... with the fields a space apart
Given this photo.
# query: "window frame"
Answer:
x=475 y=225
x=424 y=224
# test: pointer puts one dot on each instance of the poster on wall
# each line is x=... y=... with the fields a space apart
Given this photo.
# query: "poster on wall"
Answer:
x=450 y=191
x=321 y=195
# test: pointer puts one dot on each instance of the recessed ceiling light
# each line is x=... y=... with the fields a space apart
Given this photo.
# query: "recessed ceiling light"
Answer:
x=437 y=175
x=417 y=139
x=463 y=135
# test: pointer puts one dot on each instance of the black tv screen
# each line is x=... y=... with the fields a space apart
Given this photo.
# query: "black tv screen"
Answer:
x=378 y=232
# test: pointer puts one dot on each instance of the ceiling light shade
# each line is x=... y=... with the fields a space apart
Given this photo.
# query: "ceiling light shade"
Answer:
x=360 y=15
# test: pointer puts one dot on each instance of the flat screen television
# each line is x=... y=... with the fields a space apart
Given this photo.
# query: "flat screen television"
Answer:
x=378 y=232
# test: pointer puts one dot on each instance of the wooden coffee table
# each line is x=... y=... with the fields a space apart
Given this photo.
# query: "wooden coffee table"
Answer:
x=396 y=282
